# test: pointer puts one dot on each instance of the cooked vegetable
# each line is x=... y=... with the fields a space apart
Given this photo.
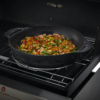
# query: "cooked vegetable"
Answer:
x=74 y=50
x=20 y=48
x=67 y=38
x=47 y=45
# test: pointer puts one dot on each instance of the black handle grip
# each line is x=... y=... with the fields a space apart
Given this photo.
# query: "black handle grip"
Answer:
x=87 y=47
x=10 y=33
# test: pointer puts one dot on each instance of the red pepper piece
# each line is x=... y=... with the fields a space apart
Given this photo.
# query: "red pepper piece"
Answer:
x=52 y=35
x=46 y=41
x=33 y=37
x=38 y=53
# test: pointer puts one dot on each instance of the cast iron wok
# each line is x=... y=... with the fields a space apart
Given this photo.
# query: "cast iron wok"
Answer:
x=43 y=61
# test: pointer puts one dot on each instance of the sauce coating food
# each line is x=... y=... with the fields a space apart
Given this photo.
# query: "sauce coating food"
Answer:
x=47 y=45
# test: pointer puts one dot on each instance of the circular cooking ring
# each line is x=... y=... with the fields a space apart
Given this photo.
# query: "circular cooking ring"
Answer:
x=19 y=63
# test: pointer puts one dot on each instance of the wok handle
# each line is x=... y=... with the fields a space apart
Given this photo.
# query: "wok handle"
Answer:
x=87 y=47
x=11 y=32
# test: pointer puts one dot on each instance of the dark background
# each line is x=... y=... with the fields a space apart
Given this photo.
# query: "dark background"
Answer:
x=82 y=15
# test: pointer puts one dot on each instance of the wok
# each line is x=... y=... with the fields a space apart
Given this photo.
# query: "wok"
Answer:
x=43 y=61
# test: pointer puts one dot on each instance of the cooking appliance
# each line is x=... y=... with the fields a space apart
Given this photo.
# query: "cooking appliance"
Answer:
x=66 y=79
x=52 y=61
x=66 y=82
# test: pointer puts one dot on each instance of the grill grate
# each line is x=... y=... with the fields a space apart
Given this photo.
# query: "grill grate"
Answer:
x=59 y=78
x=6 y=25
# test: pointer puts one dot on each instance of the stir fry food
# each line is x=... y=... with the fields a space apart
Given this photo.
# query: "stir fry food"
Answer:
x=47 y=45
